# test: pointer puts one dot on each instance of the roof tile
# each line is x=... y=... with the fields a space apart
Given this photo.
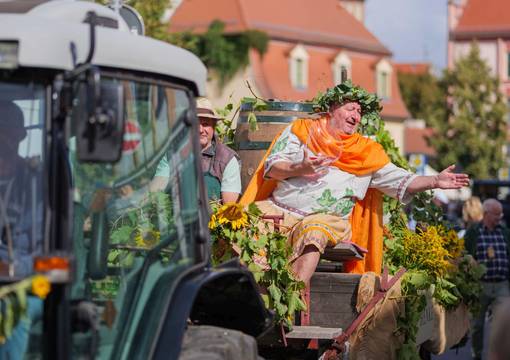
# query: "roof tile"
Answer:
x=302 y=20
x=483 y=15
x=272 y=74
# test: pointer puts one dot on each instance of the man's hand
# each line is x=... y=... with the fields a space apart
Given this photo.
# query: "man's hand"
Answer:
x=311 y=165
x=447 y=179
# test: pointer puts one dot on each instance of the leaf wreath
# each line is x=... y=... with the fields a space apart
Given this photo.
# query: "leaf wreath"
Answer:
x=346 y=91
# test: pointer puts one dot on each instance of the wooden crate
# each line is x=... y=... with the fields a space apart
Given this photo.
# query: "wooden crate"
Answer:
x=333 y=299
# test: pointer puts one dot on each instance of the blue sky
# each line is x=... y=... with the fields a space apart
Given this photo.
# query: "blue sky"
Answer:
x=414 y=30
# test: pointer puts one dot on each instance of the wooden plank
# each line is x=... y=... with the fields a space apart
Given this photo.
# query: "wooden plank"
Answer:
x=333 y=299
x=334 y=282
x=329 y=267
x=313 y=332
x=343 y=320
x=342 y=252
x=329 y=303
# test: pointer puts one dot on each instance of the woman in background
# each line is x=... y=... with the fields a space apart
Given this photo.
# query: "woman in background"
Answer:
x=472 y=213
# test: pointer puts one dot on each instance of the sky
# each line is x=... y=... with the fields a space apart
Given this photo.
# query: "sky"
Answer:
x=413 y=30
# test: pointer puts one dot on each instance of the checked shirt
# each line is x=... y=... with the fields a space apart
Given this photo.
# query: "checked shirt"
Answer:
x=491 y=251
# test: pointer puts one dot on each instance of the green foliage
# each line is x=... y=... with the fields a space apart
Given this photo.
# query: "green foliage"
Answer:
x=225 y=54
x=467 y=282
x=224 y=127
x=135 y=230
x=414 y=286
x=422 y=94
x=151 y=12
x=241 y=233
x=475 y=115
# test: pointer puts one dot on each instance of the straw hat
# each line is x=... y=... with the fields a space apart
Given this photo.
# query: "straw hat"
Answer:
x=206 y=110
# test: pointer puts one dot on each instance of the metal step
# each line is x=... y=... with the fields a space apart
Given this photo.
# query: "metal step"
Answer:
x=313 y=332
x=342 y=252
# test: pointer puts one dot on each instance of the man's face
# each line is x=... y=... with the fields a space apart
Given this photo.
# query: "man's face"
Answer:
x=206 y=131
x=493 y=216
x=345 y=117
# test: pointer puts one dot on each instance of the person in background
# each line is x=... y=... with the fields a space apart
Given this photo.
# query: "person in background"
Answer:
x=220 y=164
x=472 y=213
x=489 y=243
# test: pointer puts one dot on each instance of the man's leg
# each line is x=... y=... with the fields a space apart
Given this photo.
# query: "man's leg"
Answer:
x=478 y=324
x=304 y=265
x=501 y=293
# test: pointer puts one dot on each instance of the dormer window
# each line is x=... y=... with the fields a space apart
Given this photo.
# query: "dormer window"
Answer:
x=383 y=72
x=341 y=62
x=299 y=67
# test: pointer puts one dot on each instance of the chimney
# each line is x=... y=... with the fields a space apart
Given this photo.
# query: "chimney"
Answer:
x=356 y=8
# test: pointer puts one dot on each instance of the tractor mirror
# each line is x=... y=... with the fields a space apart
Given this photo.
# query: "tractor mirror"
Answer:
x=98 y=117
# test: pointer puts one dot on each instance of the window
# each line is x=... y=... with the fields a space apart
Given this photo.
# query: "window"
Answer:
x=383 y=79
x=147 y=232
x=341 y=62
x=299 y=67
x=22 y=174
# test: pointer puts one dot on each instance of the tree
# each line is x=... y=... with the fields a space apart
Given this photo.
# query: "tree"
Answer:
x=421 y=94
x=471 y=128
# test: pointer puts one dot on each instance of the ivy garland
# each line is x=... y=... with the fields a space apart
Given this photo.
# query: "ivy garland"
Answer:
x=346 y=91
x=223 y=53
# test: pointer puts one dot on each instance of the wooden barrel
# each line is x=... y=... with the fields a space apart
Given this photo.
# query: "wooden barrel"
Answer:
x=252 y=145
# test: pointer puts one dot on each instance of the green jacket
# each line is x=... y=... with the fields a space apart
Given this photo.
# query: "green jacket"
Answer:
x=471 y=238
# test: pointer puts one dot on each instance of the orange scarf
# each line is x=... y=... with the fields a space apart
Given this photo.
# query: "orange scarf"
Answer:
x=358 y=156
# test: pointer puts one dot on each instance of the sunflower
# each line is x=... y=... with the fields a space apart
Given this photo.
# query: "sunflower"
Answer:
x=147 y=238
x=232 y=214
x=40 y=286
x=212 y=222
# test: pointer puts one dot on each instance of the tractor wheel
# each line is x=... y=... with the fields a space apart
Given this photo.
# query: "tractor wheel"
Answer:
x=214 y=343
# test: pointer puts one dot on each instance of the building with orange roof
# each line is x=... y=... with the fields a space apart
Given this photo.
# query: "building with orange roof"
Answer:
x=310 y=43
x=487 y=23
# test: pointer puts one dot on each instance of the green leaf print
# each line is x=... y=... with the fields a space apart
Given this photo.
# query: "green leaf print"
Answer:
x=280 y=145
x=329 y=204
x=326 y=200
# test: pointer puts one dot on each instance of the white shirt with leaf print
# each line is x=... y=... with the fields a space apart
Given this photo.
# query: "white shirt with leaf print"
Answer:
x=334 y=192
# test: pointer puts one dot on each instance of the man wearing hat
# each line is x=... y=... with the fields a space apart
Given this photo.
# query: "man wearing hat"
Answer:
x=328 y=181
x=220 y=164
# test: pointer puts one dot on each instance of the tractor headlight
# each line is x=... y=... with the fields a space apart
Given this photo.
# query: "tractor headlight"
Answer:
x=8 y=54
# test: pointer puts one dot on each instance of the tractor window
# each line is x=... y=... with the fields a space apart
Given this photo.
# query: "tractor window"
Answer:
x=22 y=116
x=129 y=233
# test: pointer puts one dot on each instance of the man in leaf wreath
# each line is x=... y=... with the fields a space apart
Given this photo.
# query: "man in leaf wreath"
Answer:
x=328 y=181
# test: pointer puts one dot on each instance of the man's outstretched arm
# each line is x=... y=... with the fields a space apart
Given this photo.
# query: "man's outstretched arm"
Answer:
x=446 y=179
